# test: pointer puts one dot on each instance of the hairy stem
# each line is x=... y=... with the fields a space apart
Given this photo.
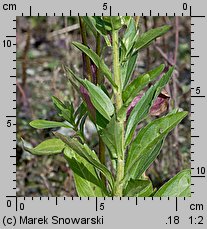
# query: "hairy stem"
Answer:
x=116 y=68
x=118 y=188
x=99 y=80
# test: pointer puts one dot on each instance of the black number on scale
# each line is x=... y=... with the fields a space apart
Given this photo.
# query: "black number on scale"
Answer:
x=173 y=219
x=7 y=43
x=198 y=90
x=201 y=170
x=9 y=123
x=105 y=6
x=101 y=207
x=21 y=206
x=185 y=6
x=193 y=220
x=200 y=218
x=8 y=203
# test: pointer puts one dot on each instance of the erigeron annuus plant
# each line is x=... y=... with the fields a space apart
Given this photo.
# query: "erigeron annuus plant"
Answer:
x=116 y=115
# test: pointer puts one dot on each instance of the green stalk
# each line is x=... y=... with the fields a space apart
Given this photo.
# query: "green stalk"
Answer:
x=99 y=80
x=118 y=187
x=98 y=51
x=116 y=68
x=85 y=57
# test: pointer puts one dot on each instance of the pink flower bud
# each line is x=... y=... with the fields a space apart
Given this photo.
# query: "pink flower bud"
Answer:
x=159 y=106
x=86 y=98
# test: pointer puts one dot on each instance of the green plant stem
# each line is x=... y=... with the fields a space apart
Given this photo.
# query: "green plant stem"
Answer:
x=99 y=80
x=116 y=69
x=86 y=59
x=118 y=187
x=99 y=77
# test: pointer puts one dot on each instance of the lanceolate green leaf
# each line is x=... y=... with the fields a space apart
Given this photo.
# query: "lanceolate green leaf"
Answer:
x=72 y=80
x=88 y=183
x=178 y=186
x=139 y=83
x=98 y=24
x=101 y=122
x=91 y=23
x=101 y=109
x=141 y=110
x=147 y=158
x=113 y=23
x=74 y=76
x=102 y=25
x=128 y=64
x=97 y=61
x=130 y=34
x=127 y=69
x=88 y=21
x=80 y=112
x=112 y=137
x=106 y=24
x=138 y=188
x=125 y=20
x=146 y=38
x=100 y=100
x=48 y=147
x=64 y=111
x=142 y=151
x=116 y=22
x=89 y=155
x=44 y=124
x=58 y=104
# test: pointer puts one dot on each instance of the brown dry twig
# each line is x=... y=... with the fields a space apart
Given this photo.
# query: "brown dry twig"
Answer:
x=164 y=55
x=63 y=31
x=22 y=93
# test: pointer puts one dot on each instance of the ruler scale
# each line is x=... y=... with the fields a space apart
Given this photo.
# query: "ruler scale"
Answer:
x=20 y=212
